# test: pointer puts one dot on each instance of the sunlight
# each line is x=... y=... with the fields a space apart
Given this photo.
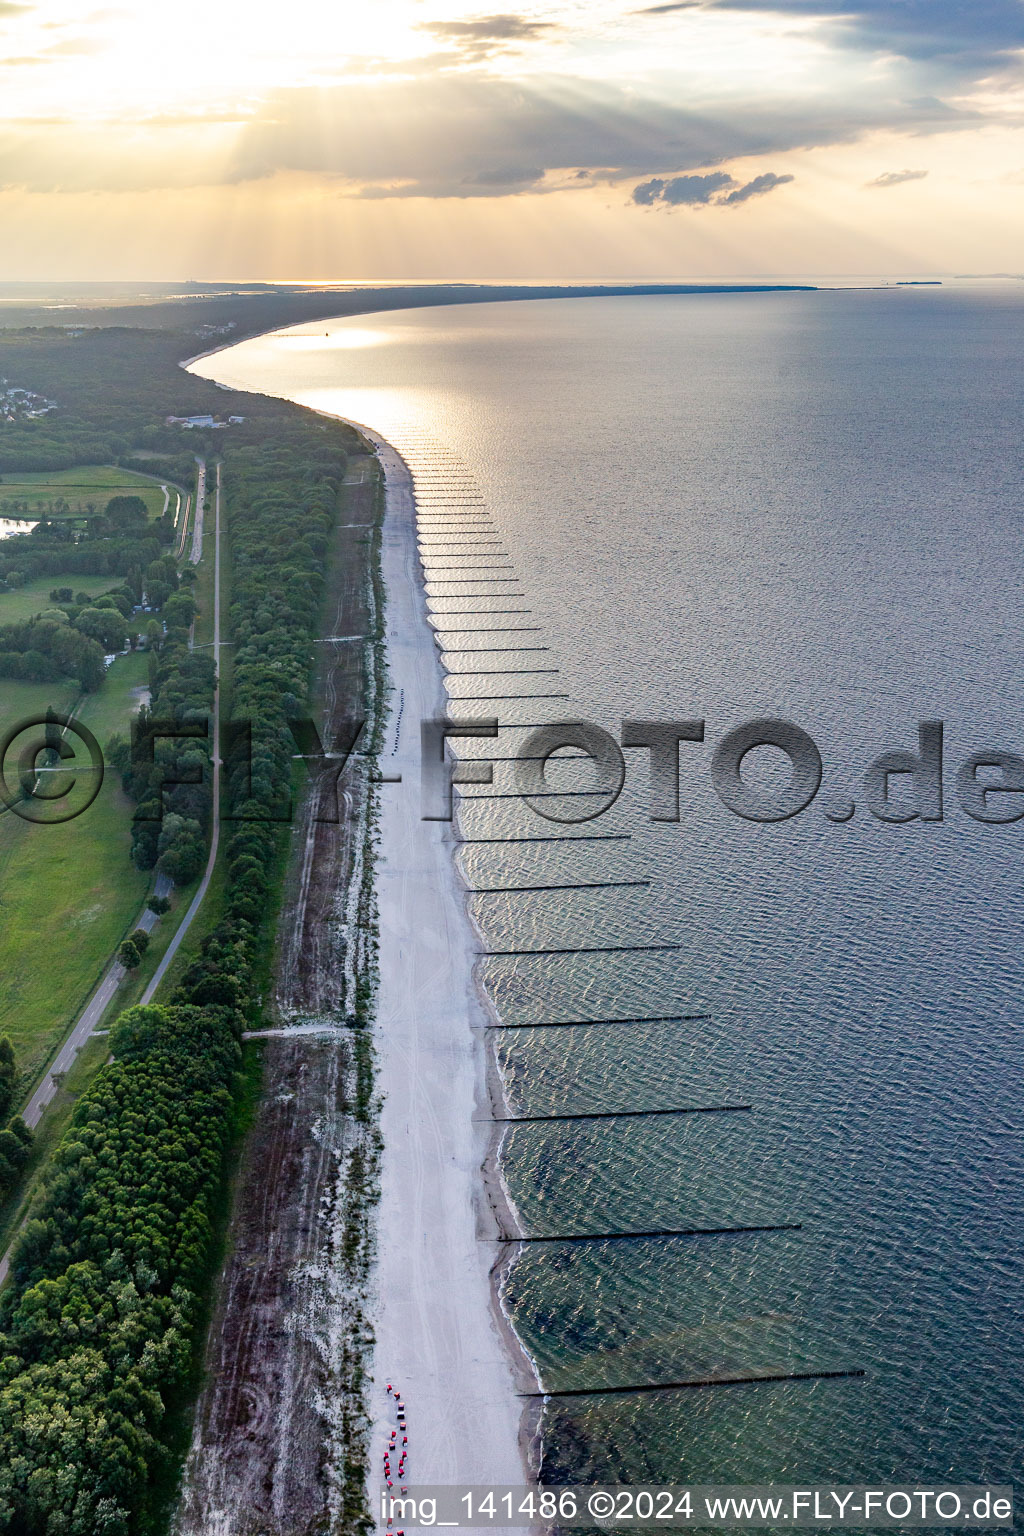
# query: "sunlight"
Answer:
x=207 y=63
x=353 y=338
x=192 y=56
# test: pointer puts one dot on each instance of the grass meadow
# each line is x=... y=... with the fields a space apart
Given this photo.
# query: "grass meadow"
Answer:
x=34 y=597
x=68 y=893
x=92 y=483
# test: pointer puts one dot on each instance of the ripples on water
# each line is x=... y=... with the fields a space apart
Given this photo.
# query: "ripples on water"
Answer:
x=797 y=505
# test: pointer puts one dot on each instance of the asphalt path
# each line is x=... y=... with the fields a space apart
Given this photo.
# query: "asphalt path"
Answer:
x=204 y=884
x=87 y=1020
x=197 y=521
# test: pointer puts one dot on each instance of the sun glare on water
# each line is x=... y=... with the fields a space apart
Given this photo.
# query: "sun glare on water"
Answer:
x=352 y=338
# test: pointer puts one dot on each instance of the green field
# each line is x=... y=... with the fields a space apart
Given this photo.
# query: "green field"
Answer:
x=68 y=893
x=20 y=701
x=109 y=710
x=89 y=484
x=34 y=596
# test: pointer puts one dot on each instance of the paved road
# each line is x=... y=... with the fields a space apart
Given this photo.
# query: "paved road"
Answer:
x=87 y=1020
x=180 y=548
x=85 y=1025
x=197 y=521
x=100 y=999
x=204 y=884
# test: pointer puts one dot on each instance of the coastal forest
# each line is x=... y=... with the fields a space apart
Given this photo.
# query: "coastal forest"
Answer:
x=102 y=1317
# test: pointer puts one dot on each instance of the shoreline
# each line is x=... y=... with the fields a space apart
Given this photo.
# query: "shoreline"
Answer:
x=464 y=1388
x=503 y=293
x=441 y=1329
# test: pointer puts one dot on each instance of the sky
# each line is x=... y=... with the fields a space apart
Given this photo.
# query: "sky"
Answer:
x=334 y=141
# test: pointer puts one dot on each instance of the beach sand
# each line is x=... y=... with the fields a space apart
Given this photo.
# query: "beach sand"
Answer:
x=441 y=1339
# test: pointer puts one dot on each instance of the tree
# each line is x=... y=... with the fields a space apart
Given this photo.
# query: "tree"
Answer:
x=179 y=610
x=159 y=905
x=14 y=1150
x=127 y=514
x=8 y=1075
x=140 y=938
x=183 y=861
x=118 y=753
x=128 y=954
x=157 y=593
x=104 y=625
x=182 y=848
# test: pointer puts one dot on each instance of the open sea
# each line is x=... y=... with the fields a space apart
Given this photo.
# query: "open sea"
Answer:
x=805 y=506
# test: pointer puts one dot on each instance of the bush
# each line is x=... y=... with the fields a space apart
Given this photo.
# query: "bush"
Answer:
x=8 y=1076
x=15 y=1145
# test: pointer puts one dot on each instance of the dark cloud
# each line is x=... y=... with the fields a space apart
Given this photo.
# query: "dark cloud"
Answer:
x=444 y=135
x=967 y=35
x=895 y=178
x=488 y=34
x=505 y=176
x=756 y=188
x=648 y=192
x=683 y=191
x=464 y=134
x=700 y=191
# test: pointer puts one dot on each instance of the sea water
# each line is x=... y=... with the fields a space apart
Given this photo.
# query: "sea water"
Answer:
x=722 y=508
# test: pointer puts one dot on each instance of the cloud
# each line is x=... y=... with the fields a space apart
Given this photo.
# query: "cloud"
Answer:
x=10 y=8
x=896 y=178
x=488 y=34
x=700 y=191
x=67 y=48
x=967 y=35
x=506 y=176
x=73 y=48
x=458 y=134
x=648 y=192
x=445 y=135
x=688 y=191
x=756 y=188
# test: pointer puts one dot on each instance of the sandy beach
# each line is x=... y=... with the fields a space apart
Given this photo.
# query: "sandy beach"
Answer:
x=440 y=1338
